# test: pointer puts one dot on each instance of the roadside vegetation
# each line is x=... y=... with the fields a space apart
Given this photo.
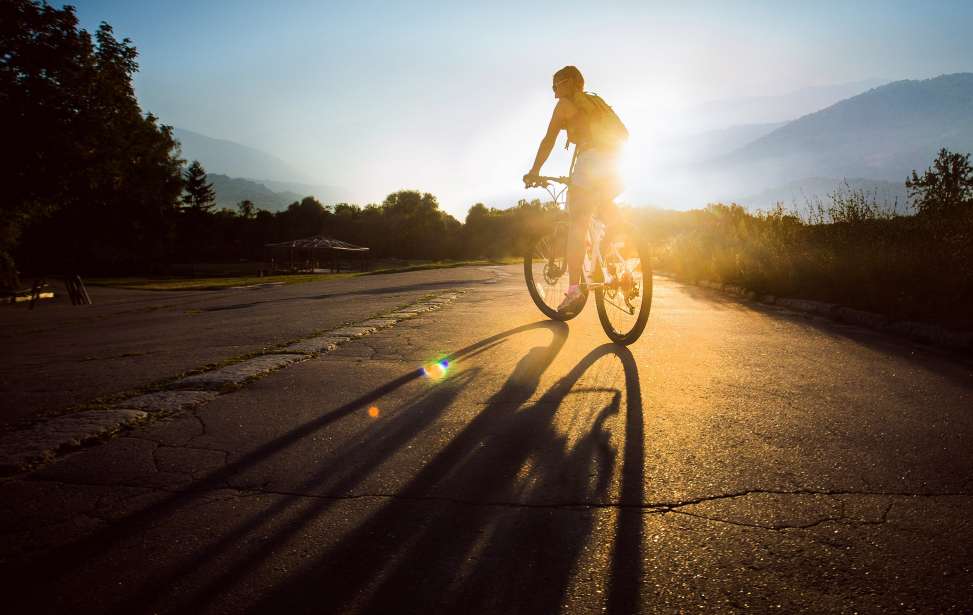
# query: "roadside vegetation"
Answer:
x=851 y=250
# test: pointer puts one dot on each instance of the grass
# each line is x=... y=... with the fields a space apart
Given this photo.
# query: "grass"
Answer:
x=420 y=266
x=222 y=282
x=905 y=267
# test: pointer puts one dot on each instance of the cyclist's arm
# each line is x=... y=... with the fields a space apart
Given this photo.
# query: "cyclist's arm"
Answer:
x=558 y=123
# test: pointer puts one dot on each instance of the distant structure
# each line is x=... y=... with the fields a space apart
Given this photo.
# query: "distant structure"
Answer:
x=310 y=253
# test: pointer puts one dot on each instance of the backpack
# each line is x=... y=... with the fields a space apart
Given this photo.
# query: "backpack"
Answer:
x=606 y=128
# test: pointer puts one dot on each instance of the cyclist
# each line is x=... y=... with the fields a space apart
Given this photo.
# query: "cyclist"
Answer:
x=598 y=135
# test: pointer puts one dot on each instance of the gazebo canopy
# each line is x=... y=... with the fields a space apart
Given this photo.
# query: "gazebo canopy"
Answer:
x=318 y=242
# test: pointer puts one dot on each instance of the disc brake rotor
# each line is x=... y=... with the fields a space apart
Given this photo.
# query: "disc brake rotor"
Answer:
x=552 y=272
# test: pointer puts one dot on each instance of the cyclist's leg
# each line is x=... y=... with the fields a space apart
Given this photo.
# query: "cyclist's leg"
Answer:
x=581 y=203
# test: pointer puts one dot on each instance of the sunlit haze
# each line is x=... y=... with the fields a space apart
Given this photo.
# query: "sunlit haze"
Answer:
x=452 y=98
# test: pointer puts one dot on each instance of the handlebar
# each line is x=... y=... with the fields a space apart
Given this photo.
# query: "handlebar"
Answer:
x=541 y=181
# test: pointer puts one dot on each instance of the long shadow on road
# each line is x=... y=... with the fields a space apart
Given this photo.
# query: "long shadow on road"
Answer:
x=513 y=512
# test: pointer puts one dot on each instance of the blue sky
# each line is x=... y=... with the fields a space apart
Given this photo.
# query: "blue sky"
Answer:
x=452 y=97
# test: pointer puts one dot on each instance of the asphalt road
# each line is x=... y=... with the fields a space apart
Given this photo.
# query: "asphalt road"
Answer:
x=57 y=356
x=737 y=457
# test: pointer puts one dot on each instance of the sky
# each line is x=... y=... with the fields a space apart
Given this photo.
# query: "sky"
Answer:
x=452 y=98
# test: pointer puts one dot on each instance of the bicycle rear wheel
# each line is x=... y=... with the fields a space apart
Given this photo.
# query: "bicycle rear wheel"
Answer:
x=626 y=297
x=546 y=272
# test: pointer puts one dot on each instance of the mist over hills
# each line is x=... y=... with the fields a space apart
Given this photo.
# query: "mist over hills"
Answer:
x=882 y=134
x=719 y=114
x=713 y=143
x=233 y=159
x=803 y=194
x=239 y=172
x=232 y=190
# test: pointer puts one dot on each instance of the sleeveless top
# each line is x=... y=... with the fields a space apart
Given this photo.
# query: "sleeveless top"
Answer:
x=578 y=128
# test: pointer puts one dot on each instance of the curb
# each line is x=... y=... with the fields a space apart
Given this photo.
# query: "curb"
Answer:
x=41 y=443
x=917 y=331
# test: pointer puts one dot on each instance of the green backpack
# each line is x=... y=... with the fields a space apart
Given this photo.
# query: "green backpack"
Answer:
x=606 y=128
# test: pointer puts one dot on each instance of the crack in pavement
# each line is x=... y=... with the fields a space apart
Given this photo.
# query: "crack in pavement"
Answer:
x=651 y=507
x=794 y=526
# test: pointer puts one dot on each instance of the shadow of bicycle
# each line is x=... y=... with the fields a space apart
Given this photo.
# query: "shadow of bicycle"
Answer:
x=497 y=520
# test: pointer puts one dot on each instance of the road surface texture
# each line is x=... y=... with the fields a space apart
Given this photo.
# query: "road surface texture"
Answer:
x=58 y=355
x=737 y=457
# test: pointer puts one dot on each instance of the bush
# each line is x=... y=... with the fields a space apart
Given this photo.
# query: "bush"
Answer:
x=857 y=253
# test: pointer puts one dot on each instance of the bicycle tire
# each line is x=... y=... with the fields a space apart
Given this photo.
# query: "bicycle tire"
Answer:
x=547 y=299
x=633 y=331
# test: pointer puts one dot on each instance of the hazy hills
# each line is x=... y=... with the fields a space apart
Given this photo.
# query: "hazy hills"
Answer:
x=713 y=143
x=232 y=190
x=776 y=109
x=239 y=172
x=881 y=134
x=233 y=159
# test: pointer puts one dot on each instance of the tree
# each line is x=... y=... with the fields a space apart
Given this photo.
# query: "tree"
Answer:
x=88 y=174
x=247 y=209
x=198 y=193
x=946 y=187
x=415 y=227
x=304 y=218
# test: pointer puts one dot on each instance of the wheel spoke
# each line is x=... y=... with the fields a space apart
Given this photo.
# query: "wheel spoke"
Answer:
x=624 y=301
x=548 y=272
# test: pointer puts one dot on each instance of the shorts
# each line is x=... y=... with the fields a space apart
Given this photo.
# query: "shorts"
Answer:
x=595 y=182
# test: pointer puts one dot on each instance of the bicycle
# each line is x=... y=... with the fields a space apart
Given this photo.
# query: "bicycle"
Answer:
x=621 y=277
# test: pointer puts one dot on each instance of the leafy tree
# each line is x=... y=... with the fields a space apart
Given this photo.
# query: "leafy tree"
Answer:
x=304 y=218
x=416 y=227
x=92 y=176
x=946 y=187
x=198 y=193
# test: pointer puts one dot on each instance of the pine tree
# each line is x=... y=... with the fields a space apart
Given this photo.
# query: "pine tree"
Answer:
x=198 y=193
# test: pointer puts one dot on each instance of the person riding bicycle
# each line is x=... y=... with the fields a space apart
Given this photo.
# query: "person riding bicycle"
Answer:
x=598 y=134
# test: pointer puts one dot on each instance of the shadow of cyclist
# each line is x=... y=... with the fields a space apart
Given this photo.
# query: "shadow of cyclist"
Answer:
x=496 y=521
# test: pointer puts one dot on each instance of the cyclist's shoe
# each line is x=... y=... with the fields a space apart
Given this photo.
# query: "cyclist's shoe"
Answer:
x=573 y=301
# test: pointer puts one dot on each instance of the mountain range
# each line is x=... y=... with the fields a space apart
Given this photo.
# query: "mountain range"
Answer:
x=231 y=158
x=232 y=190
x=781 y=108
x=239 y=172
x=882 y=134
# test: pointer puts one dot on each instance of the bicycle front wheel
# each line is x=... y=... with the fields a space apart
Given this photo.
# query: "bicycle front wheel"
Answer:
x=546 y=272
x=625 y=298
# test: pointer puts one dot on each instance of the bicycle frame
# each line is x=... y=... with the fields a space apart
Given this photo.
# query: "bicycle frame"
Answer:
x=593 y=236
x=617 y=266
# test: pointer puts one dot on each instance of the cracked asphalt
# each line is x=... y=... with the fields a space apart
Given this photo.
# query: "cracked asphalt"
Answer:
x=738 y=457
x=58 y=355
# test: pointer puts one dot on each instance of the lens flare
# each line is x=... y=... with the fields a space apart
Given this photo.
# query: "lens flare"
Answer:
x=373 y=412
x=436 y=370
